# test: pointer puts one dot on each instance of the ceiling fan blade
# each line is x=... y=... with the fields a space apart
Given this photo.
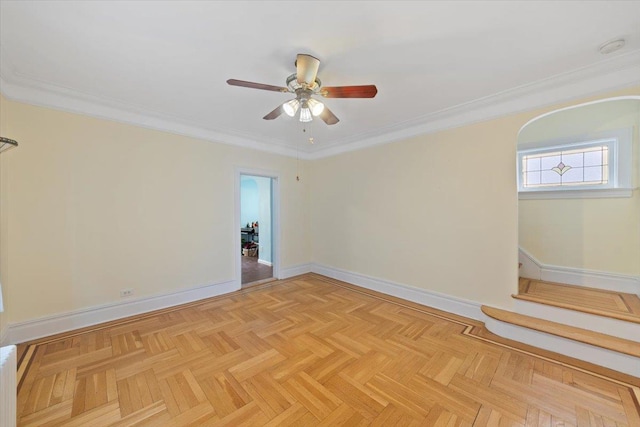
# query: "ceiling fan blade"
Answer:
x=274 y=114
x=252 y=85
x=307 y=68
x=328 y=117
x=365 y=91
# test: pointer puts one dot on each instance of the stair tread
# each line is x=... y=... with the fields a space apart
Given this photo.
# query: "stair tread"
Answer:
x=597 y=339
x=616 y=305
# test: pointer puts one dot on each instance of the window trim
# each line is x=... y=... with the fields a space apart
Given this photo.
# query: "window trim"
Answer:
x=620 y=166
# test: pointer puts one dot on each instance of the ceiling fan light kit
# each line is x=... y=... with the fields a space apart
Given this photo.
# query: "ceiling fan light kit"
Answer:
x=305 y=84
x=315 y=106
x=305 y=115
x=291 y=107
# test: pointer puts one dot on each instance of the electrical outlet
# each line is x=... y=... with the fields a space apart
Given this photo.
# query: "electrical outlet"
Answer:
x=126 y=293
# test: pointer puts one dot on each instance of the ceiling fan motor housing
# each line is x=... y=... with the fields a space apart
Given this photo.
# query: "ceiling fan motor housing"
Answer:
x=299 y=83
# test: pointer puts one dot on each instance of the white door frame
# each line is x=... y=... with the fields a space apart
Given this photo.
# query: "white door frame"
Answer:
x=275 y=219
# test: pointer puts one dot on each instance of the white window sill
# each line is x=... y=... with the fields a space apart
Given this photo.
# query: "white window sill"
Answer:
x=602 y=193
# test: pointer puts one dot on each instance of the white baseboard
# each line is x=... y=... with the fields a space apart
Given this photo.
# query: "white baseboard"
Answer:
x=600 y=356
x=437 y=300
x=529 y=266
x=593 y=279
x=296 y=270
x=534 y=269
x=263 y=262
x=471 y=309
x=37 y=328
x=62 y=322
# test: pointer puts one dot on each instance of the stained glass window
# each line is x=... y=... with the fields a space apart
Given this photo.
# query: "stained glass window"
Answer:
x=582 y=166
x=572 y=167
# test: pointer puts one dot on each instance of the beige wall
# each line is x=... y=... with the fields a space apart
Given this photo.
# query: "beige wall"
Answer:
x=591 y=234
x=437 y=212
x=4 y=131
x=94 y=206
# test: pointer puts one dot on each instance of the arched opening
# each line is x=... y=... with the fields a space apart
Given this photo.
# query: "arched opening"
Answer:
x=579 y=204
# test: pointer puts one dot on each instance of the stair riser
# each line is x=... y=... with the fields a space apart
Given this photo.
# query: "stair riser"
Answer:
x=605 y=325
x=599 y=356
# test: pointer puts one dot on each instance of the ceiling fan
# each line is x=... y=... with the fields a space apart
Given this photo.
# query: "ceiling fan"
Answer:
x=305 y=84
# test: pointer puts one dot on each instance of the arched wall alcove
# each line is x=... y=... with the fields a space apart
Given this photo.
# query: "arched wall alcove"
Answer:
x=589 y=238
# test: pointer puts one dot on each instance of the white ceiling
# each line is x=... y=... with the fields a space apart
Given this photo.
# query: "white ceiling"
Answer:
x=436 y=64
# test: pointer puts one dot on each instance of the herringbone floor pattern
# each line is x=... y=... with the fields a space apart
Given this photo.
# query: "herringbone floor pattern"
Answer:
x=308 y=351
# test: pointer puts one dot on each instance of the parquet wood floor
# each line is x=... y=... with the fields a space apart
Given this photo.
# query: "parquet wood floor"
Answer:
x=310 y=351
x=618 y=305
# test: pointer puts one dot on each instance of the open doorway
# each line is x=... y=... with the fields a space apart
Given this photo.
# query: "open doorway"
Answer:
x=256 y=231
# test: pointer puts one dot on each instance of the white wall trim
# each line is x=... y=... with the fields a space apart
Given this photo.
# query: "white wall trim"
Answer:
x=49 y=96
x=591 y=278
x=275 y=219
x=619 y=72
x=49 y=325
x=471 y=309
x=534 y=269
x=605 y=193
x=263 y=262
x=295 y=270
x=448 y=303
x=530 y=266
x=600 y=356
x=620 y=145
x=62 y=322
x=578 y=319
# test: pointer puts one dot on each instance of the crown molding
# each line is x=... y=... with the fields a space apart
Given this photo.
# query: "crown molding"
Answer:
x=30 y=91
x=616 y=73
